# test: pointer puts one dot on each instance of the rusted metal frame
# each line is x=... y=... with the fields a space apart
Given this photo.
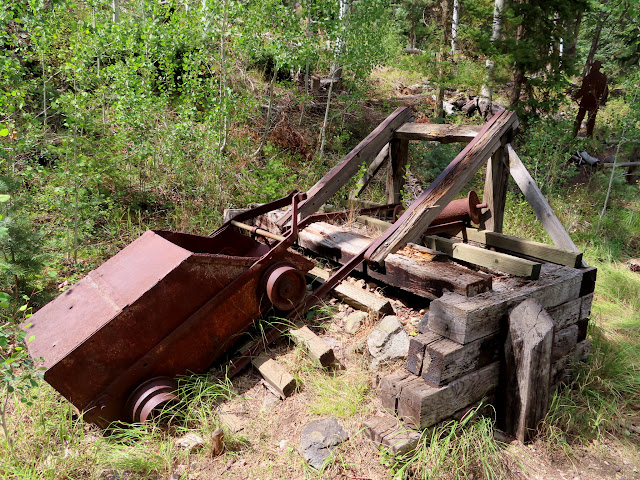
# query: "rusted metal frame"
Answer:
x=267 y=207
x=239 y=363
x=185 y=328
x=340 y=174
x=381 y=247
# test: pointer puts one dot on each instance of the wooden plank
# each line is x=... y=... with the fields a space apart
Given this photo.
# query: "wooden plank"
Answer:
x=585 y=306
x=589 y=276
x=399 y=151
x=415 y=220
x=621 y=164
x=541 y=207
x=543 y=251
x=275 y=375
x=417 y=345
x=354 y=296
x=318 y=349
x=442 y=133
x=371 y=172
x=501 y=262
x=465 y=319
x=412 y=269
x=564 y=341
x=340 y=174
x=393 y=435
x=528 y=368
x=566 y=314
x=373 y=223
x=495 y=190
x=421 y=405
x=446 y=360
x=390 y=387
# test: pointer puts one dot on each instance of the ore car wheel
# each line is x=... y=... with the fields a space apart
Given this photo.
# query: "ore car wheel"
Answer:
x=286 y=287
x=150 y=396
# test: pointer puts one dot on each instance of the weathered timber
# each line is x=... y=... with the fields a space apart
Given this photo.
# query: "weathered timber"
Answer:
x=421 y=405
x=589 y=275
x=583 y=328
x=412 y=269
x=563 y=371
x=564 y=341
x=229 y=213
x=371 y=172
x=528 y=367
x=415 y=220
x=399 y=151
x=543 y=251
x=585 y=306
x=393 y=435
x=437 y=132
x=275 y=375
x=465 y=319
x=417 y=345
x=354 y=296
x=566 y=314
x=495 y=190
x=501 y=262
x=446 y=360
x=318 y=349
x=340 y=174
x=621 y=164
x=541 y=207
x=390 y=387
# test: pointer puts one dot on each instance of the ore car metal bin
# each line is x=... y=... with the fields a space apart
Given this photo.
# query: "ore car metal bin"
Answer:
x=166 y=305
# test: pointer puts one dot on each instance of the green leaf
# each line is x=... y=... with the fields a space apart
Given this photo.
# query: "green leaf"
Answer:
x=4 y=198
x=4 y=132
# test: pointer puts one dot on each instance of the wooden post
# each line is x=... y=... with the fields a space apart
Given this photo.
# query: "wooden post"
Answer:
x=377 y=163
x=425 y=209
x=399 y=150
x=528 y=368
x=541 y=207
x=495 y=189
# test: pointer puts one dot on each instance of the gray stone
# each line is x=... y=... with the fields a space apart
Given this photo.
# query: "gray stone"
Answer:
x=388 y=340
x=319 y=438
x=354 y=321
x=191 y=442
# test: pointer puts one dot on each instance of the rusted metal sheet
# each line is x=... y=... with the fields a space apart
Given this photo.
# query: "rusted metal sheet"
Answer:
x=166 y=305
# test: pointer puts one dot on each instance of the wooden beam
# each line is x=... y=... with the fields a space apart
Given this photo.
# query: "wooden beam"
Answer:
x=354 y=296
x=340 y=174
x=621 y=164
x=399 y=153
x=415 y=220
x=528 y=368
x=417 y=345
x=446 y=360
x=495 y=190
x=371 y=172
x=543 y=251
x=501 y=262
x=465 y=319
x=421 y=405
x=437 y=132
x=275 y=375
x=541 y=207
x=388 y=432
x=414 y=269
x=317 y=348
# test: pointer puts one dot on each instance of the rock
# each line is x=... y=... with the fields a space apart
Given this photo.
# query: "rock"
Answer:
x=634 y=264
x=191 y=442
x=388 y=340
x=354 y=321
x=319 y=438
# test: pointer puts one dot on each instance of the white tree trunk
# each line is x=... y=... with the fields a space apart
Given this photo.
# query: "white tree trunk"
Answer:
x=115 y=5
x=487 y=88
x=454 y=25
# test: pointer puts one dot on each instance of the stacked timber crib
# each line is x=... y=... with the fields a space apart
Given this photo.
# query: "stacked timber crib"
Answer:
x=507 y=317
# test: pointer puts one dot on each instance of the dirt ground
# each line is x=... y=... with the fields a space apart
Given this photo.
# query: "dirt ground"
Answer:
x=265 y=430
